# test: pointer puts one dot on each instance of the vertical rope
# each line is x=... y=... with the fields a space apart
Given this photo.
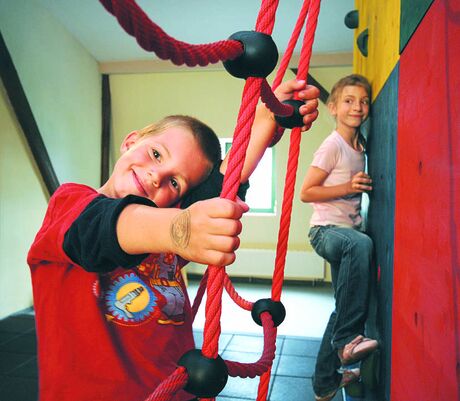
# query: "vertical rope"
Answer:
x=294 y=149
x=251 y=94
x=291 y=173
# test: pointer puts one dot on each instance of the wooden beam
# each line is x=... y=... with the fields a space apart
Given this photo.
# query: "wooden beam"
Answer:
x=26 y=119
x=106 y=128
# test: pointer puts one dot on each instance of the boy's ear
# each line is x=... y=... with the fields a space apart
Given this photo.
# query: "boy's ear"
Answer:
x=129 y=141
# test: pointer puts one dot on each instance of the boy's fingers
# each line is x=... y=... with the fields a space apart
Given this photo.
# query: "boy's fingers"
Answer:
x=310 y=92
x=309 y=118
x=243 y=204
x=225 y=208
x=309 y=107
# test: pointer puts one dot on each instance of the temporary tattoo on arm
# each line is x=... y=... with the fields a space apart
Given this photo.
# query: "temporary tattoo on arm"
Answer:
x=180 y=229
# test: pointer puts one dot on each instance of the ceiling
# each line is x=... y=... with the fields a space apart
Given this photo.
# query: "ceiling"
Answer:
x=196 y=22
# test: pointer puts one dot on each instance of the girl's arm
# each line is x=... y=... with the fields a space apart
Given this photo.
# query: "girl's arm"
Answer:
x=313 y=190
x=264 y=124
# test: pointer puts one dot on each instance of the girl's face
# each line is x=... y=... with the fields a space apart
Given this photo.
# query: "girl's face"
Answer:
x=161 y=167
x=351 y=108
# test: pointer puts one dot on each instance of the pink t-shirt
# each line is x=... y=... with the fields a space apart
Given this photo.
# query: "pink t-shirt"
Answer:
x=341 y=162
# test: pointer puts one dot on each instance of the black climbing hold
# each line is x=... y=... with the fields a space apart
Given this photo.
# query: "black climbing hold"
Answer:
x=352 y=19
x=259 y=56
x=362 y=40
x=295 y=119
x=206 y=376
x=275 y=308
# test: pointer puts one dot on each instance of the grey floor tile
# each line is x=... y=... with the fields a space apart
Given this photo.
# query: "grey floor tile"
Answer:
x=17 y=324
x=6 y=336
x=27 y=370
x=21 y=344
x=296 y=366
x=224 y=339
x=294 y=389
x=11 y=361
x=241 y=388
x=301 y=346
x=18 y=389
x=252 y=343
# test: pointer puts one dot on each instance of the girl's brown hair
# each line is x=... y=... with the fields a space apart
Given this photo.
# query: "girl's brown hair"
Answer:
x=349 y=80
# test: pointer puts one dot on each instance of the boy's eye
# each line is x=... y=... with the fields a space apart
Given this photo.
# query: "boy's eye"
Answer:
x=155 y=154
x=174 y=183
x=366 y=101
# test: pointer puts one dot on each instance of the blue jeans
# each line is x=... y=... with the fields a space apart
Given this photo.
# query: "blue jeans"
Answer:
x=349 y=253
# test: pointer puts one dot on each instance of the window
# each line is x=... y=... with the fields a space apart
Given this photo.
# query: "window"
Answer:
x=261 y=194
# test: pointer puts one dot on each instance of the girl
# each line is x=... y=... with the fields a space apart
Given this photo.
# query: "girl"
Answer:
x=334 y=184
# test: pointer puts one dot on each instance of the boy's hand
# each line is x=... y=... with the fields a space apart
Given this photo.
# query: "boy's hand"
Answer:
x=308 y=93
x=207 y=231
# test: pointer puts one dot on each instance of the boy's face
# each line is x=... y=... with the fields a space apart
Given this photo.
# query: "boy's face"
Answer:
x=351 y=108
x=161 y=167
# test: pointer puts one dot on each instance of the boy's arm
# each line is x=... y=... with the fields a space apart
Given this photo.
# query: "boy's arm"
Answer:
x=264 y=124
x=206 y=232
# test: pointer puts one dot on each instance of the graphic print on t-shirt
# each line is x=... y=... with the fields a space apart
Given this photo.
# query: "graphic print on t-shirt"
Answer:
x=150 y=291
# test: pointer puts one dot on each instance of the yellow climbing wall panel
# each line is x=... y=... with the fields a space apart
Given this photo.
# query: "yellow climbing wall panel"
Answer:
x=382 y=19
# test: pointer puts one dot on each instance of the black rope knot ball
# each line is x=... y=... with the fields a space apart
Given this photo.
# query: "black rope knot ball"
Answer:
x=295 y=119
x=207 y=377
x=259 y=57
x=275 y=308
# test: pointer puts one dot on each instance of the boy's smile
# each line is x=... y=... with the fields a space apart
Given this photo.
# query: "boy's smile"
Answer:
x=161 y=167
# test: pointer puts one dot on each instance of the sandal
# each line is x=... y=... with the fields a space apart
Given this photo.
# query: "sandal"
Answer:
x=348 y=376
x=357 y=349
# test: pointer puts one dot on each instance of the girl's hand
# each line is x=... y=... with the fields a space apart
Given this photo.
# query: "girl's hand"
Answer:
x=207 y=231
x=360 y=182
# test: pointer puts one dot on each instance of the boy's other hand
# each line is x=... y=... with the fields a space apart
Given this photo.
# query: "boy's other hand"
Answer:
x=207 y=231
x=308 y=93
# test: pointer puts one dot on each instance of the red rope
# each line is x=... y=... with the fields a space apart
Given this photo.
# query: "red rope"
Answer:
x=285 y=62
x=251 y=94
x=168 y=387
x=268 y=355
x=291 y=45
x=294 y=149
x=291 y=171
x=242 y=303
x=199 y=295
x=152 y=38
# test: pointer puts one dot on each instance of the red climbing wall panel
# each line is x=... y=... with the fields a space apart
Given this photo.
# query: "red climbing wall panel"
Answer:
x=426 y=303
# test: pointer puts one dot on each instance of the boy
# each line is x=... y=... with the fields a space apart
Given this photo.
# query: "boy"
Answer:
x=112 y=312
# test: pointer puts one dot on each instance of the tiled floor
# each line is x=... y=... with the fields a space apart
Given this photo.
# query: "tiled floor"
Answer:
x=241 y=340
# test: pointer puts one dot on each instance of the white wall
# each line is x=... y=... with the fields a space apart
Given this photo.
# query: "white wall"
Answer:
x=63 y=85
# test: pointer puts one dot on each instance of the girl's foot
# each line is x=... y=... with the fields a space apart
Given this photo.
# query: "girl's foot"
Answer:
x=348 y=376
x=357 y=349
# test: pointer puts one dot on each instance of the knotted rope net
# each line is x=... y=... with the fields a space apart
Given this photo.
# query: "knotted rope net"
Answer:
x=152 y=38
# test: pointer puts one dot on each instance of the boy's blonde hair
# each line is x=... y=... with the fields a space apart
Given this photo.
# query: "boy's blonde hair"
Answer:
x=349 y=80
x=204 y=135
